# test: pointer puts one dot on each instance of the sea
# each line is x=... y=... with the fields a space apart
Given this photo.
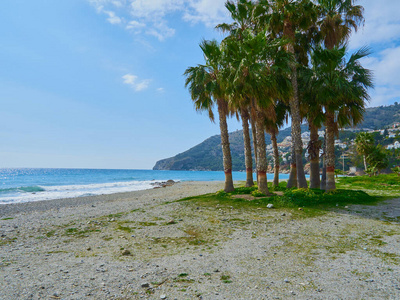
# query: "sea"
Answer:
x=27 y=185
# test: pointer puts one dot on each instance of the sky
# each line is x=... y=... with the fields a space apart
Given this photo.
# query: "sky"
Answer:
x=99 y=83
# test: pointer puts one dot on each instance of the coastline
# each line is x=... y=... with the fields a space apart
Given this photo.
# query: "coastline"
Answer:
x=179 y=189
x=146 y=245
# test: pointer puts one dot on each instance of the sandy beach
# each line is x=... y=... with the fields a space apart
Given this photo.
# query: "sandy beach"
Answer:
x=147 y=245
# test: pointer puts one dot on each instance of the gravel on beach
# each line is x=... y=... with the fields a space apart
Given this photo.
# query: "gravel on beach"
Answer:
x=149 y=245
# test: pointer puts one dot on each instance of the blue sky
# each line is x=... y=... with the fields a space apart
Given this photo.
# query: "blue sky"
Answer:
x=98 y=83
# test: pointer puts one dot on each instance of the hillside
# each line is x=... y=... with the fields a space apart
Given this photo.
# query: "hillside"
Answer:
x=381 y=117
x=208 y=154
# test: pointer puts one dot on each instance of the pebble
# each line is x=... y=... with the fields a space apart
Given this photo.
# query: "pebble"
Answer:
x=270 y=205
x=145 y=285
x=163 y=297
x=286 y=280
x=126 y=252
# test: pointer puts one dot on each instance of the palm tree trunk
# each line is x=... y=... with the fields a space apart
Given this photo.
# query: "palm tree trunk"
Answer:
x=254 y=134
x=226 y=151
x=261 y=156
x=313 y=150
x=247 y=148
x=276 y=158
x=292 y=182
x=323 y=176
x=330 y=152
x=295 y=112
x=365 y=162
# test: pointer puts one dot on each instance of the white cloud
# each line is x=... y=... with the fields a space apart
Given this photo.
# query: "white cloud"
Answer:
x=161 y=31
x=117 y=3
x=151 y=16
x=161 y=90
x=112 y=17
x=382 y=23
x=385 y=66
x=137 y=85
x=150 y=9
x=210 y=12
x=135 y=25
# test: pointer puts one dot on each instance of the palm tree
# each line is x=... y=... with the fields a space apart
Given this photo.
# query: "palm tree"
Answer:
x=242 y=13
x=272 y=127
x=206 y=87
x=364 y=144
x=288 y=16
x=292 y=181
x=257 y=76
x=312 y=111
x=337 y=19
x=341 y=87
x=244 y=113
x=248 y=84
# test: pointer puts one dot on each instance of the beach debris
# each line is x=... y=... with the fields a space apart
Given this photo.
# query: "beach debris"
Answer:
x=126 y=252
x=270 y=205
x=163 y=184
x=145 y=285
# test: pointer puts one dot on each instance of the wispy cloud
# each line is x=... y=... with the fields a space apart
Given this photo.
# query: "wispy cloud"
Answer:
x=209 y=12
x=385 y=66
x=112 y=17
x=137 y=85
x=382 y=33
x=150 y=17
x=382 y=23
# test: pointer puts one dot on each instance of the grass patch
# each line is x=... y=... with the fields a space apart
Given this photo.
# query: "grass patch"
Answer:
x=147 y=224
x=382 y=185
x=80 y=233
x=290 y=198
x=50 y=233
x=226 y=279
x=7 y=218
x=7 y=241
x=125 y=228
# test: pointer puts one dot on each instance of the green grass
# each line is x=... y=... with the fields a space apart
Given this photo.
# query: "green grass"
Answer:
x=291 y=198
x=385 y=185
x=226 y=279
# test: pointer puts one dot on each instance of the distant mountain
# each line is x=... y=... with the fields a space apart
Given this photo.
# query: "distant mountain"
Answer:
x=381 y=117
x=208 y=154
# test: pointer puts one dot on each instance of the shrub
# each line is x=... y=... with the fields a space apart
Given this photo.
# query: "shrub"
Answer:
x=257 y=193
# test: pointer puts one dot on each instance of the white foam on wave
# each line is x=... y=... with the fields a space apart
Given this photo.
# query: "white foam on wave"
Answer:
x=72 y=191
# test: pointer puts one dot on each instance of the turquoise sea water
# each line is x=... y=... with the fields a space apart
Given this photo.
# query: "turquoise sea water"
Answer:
x=26 y=185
